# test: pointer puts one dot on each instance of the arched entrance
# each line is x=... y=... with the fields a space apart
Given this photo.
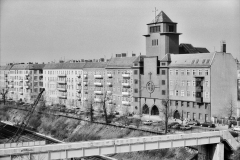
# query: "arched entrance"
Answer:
x=176 y=114
x=154 y=110
x=145 y=109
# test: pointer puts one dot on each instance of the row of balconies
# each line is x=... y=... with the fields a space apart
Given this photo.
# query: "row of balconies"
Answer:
x=97 y=76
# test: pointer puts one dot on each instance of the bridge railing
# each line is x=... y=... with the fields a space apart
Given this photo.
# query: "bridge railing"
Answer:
x=22 y=144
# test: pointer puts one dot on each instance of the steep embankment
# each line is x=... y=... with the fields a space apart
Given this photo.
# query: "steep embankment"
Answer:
x=70 y=130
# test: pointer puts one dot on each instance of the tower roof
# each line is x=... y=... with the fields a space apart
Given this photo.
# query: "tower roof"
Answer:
x=162 y=17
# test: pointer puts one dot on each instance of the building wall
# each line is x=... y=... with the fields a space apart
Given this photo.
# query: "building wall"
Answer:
x=223 y=83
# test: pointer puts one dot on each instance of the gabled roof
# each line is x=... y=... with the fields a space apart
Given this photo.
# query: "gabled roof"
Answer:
x=166 y=58
x=95 y=65
x=20 y=67
x=191 y=60
x=123 y=62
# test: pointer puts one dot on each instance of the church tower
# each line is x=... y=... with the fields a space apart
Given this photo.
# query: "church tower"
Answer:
x=162 y=37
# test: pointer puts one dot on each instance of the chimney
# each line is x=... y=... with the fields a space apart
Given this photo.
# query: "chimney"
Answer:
x=223 y=46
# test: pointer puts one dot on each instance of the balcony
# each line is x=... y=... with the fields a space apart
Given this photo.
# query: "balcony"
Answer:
x=10 y=86
x=79 y=76
x=21 y=80
x=62 y=97
x=62 y=89
x=199 y=88
x=109 y=92
x=110 y=102
x=109 y=75
x=126 y=84
x=62 y=75
x=61 y=82
x=21 y=93
x=85 y=84
x=79 y=99
x=85 y=76
x=126 y=75
x=109 y=84
x=79 y=90
x=85 y=99
x=21 y=87
x=98 y=84
x=79 y=83
x=98 y=92
x=98 y=76
x=27 y=87
x=27 y=80
x=126 y=103
x=199 y=100
x=125 y=93
x=98 y=100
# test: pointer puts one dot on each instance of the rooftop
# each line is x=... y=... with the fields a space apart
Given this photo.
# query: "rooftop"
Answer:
x=64 y=66
x=124 y=62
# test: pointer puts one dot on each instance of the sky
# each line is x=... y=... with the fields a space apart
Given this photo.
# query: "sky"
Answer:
x=50 y=30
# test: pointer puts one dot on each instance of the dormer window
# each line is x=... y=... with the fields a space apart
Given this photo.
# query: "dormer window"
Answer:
x=197 y=61
x=203 y=61
x=208 y=61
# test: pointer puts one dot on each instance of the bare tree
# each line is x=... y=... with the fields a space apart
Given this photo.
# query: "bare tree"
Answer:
x=89 y=108
x=4 y=95
x=230 y=108
x=165 y=111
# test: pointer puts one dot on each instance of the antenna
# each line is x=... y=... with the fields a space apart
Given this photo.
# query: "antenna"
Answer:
x=155 y=10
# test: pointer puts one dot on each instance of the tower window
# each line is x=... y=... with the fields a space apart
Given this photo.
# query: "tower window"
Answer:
x=154 y=29
x=155 y=42
x=171 y=28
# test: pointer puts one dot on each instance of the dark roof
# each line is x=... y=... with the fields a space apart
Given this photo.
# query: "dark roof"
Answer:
x=187 y=48
x=121 y=62
x=20 y=67
x=64 y=66
x=162 y=18
x=36 y=66
x=95 y=65
x=202 y=50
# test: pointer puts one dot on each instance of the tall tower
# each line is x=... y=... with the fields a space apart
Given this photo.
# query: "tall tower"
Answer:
x=162 y=37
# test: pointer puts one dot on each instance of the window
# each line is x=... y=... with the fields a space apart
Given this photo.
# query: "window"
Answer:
x=136 y=99
x=182 y=72
x=163 y=82
x=206 y=94
x=155 y=42
x=206 y=72
x=208 y=61
x=155 y=29
x=176 y=72
x=176 y=92
x=163 y=64
x=188 y=72
x=171 y=83
x=188 y=104
x=176 y=103
x=135 y=81
x=193 y=61
x=193 y=93
x=182 y=82
x=188 y=93
x=193 y=83
x=170 y=72
x=207 y=83
x=163 y=92
x=203 y=61
x=182 y=103
x=163 y=72
x=170 y=28
x=193 y=72
x=197 y=61
x=199 y=72
x=200 y=115
x=188 y=83
x=182 y=93
x=135 y=71
x=188 y=115
x=171 y=93
x=135 y=90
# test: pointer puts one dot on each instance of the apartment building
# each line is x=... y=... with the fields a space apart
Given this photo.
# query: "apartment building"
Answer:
x=94 y=83
x=63 y=83
x=120 y=83
x=238 y=89
x=4 y=77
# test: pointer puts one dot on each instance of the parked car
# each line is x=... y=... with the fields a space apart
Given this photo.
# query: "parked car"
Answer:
x=236 y=128
x=172 y=124
x=185 y=127
x=208 y=124
x=147 y=122
x=132 y=126
x=176 y=126
x=194 y=123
